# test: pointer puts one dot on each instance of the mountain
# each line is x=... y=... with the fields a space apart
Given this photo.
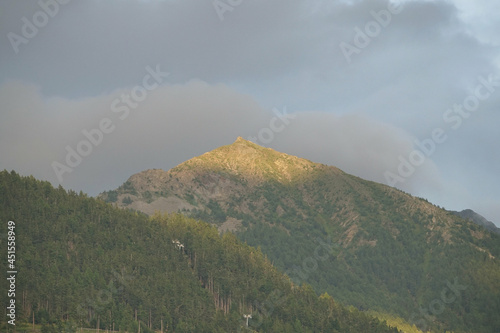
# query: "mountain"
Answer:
x=82 y=263
x=212 y=177
x=469 y=214
x=392 y=253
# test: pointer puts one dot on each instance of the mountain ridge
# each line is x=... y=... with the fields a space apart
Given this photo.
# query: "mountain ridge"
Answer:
x=478 y=219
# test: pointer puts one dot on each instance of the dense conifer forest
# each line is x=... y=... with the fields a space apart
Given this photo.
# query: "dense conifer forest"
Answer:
x=84 y=263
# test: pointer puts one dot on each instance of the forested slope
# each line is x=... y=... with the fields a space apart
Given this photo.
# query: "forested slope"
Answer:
x=83 y=263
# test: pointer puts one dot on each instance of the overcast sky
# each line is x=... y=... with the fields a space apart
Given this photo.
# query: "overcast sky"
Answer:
x=402 y=93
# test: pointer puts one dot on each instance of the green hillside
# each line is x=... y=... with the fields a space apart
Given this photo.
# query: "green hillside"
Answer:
x=391 y=252
x=82 y=263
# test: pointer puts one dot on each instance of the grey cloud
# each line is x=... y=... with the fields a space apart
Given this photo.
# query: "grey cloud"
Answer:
x=358 y=145
x=177 y=122
x=173 y=124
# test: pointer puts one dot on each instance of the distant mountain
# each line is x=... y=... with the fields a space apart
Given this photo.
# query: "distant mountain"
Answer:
x=469 y=214
x=394 y=254
x=82 y=263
